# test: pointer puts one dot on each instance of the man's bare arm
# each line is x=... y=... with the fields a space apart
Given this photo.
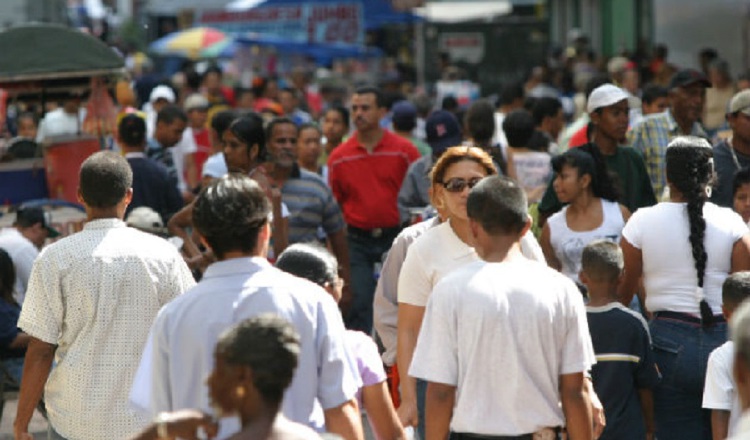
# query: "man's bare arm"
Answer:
x=36 y=368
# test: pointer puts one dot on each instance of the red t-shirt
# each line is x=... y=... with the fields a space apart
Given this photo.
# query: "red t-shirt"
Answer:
x=366 y=184
x=580 y=137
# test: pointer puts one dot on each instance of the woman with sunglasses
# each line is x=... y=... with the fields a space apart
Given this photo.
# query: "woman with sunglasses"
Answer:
x=583 y=184
x=435 y=254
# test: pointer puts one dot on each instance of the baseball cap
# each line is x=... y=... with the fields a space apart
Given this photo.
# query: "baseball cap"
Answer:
x=740 y=103
x=686 y=77
x=196 y=101
x=32 y=215
x=144 y=218
x=604 y=96
x=403 y=111
x=132 y=129
x=443 y=131
x=162 y=92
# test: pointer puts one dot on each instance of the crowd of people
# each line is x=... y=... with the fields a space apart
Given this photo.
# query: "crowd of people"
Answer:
x=476 y=272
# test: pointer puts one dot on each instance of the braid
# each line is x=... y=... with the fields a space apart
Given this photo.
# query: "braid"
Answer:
x=690 y=170
x=695 y=201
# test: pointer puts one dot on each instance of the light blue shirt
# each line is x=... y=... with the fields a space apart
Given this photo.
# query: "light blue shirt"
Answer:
x=179 y=353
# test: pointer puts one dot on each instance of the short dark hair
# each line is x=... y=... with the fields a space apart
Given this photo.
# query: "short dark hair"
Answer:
x=518 y=126
x=449 y=103
x=545 y=107
x=170 y=113
x=342 y=111
x=602 y=260
x=7 y=277
x=309 y=126
x=511 y=93
x=499 y=205
x=736 y=288
x=248 y=128
x=309 y=261
x=230 y=213
x=379 y=98
x=213 y=68
x=480 y=121
x=221 y=121
x=273 y=357
x=105 y=179
x=132 y=130
x=275 y=122
x=741 y=177
x=652 y=92
x=28 y=115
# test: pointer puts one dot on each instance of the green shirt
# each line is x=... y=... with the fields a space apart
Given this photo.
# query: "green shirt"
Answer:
x=631 y=178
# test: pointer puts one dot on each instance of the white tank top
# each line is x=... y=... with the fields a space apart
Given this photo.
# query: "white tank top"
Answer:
x=568 y=244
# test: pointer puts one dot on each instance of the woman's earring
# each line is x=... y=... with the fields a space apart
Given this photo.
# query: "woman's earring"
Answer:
x=239 y=392
x=708 y=191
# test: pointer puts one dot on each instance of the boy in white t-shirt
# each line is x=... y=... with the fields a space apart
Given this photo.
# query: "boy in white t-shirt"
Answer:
x=719 y=392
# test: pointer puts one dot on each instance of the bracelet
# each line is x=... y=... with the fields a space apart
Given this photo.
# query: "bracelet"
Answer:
x=161 y=425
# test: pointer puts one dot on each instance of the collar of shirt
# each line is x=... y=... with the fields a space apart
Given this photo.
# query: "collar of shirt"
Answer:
x=296 y=173
x=234 y=266
x=135 y=155
x=377 y=146
x=457 y=247
x=105 y=223
x=697 y=129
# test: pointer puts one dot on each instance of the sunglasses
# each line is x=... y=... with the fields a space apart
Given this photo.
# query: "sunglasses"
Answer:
x=458 y=184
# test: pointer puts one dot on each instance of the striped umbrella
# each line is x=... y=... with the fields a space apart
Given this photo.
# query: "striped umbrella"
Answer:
x=188 y=43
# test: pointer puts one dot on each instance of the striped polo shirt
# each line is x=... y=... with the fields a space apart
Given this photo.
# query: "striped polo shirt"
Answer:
x=312 y=207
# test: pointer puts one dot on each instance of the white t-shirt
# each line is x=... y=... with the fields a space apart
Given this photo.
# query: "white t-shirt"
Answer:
x=661 y=233
x=568 y=244
x=438 y=252
x=23 y=253
x=215 y=166
x=499 y=137
x=58 y=123
x=182 y=149
x=503 y=333
x=719 y=391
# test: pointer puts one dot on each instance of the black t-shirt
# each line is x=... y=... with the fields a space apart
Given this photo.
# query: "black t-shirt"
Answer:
x=726 y=167
x=624 y=364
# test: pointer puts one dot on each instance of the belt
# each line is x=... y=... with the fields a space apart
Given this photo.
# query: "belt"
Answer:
x=553 y=433
x=687 y=318
x=375 y=232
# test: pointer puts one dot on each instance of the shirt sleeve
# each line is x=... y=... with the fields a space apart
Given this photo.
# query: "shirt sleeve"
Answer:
x=333 y=220
x=530 y=248
x=436 y=355
x=578 y=351
x=338 y=380
x=414 y=284
x=42 y=312
x=385 y=305
x=718 y=390
x=371 y=369
x=647 y=374
x=632 y=231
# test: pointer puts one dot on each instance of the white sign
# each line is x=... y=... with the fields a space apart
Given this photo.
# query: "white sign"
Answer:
x=462 y=46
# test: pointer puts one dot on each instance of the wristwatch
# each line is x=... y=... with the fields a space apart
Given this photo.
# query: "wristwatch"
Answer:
x=161 y=425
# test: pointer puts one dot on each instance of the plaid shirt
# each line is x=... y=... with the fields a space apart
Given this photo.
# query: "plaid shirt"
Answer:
x=651 y=137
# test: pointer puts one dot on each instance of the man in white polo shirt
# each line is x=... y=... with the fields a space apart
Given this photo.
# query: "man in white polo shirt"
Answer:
x=505 y=340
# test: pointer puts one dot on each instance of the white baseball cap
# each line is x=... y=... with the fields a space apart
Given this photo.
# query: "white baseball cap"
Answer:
x=604 y=96
x=162 y=92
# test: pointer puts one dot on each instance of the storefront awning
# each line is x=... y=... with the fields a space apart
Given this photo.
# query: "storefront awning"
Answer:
x=459 y=11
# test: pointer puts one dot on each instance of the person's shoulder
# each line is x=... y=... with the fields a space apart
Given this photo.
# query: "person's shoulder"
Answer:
x=149 y=245
x=312 y=178
x=395 y=141
x=620 y=316
x=722 y=354
x=431 y=236
x=723 y=214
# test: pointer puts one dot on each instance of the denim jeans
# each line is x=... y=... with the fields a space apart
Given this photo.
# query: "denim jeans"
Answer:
x=681 y=352
x=421 y=400
x=364 y=253
x=14 y=367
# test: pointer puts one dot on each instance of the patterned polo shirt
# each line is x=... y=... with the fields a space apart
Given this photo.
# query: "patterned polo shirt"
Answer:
x=94 y=295
x=312 y=208
x=651 y=137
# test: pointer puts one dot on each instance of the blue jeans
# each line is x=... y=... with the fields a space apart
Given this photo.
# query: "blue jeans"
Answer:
x=14 y=367
x=681 y=352
x=364 y=253
x=421 y=400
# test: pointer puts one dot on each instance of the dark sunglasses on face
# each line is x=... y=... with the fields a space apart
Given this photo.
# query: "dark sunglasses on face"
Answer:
x=458 y=184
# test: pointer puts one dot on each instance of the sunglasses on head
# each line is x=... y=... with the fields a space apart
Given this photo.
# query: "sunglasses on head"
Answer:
x=458 y=184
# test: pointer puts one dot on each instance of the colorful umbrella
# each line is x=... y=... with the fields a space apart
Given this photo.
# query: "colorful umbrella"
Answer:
x=188 y=43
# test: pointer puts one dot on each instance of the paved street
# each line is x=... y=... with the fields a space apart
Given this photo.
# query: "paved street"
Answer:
x=38 y=424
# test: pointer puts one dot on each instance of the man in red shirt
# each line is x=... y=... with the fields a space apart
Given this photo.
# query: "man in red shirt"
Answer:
x=365 y=175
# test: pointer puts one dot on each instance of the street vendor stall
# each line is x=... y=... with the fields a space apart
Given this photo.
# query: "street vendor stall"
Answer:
x=41 y=64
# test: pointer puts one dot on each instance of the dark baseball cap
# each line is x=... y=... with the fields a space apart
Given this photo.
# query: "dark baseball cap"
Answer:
x=686 y=77
x=404 y=110
x=30 y=216
x=443 y=131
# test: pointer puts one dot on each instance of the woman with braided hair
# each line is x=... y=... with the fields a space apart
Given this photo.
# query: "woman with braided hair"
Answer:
x=684 y=249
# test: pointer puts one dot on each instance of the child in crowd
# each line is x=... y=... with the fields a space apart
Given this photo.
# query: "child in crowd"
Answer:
x=741 y=194
x=625 y=371
x=316 y=264
x=719 y=392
